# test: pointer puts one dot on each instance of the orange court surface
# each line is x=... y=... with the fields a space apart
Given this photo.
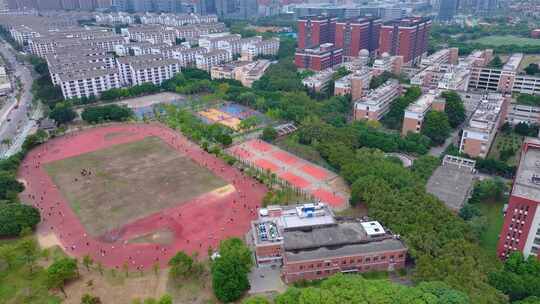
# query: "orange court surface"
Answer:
x=324 y=185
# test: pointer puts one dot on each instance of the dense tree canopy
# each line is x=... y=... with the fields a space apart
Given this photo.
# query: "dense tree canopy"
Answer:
x=183 y=265
x=279 y=77
x=60 y=272
x=519 y=277
x=63 y=113
x=532 y=69
x=194 y=128
x=525 y=129
x=230 y=270
x=378 y=81
x=496 y=63
x=436 y=127
x=111 y=112
x=527 y=99
x=454 y=108
x=394 y=118
x=9 y=186
x=269 y=134
x=344 y=289
x=15 y=217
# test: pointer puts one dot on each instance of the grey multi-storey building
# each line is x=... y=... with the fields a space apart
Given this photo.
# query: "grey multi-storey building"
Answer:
x=447 y=9
x=237 y=9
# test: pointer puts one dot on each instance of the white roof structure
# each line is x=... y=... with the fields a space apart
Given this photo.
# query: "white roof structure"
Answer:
x=373 y=228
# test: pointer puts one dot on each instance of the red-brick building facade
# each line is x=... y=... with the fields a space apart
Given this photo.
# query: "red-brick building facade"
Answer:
x=314 y=31
x=407 y=37
x=308 y=243
x=320 y=58
x=357 y=34
x=521 y=228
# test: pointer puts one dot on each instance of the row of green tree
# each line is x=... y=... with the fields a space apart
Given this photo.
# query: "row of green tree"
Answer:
x=349 y=289
x=15 y=217
x=192 y=127
x=488 y=191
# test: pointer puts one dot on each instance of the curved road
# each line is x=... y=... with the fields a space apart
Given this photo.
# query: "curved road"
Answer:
x=16 y=120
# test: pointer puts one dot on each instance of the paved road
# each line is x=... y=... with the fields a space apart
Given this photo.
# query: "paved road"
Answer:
x=17 y=117
x=452 y=139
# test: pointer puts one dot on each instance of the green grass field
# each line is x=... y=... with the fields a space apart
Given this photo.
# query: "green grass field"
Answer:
x=490 y=237
x=506 y=141
x=19 y=285
x=507 y=40
x=128 y=182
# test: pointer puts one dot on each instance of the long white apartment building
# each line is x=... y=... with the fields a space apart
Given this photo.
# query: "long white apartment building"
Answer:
x=23 y=33
x=246 y=72
x=416 y=112
x=188 y=57
x=115 y=18
x=319 y=81
x=5 y=84
x=478 y=58
x=58 y=71
x=168 y=51
x=445 y=56
x=193 y=32
x=88 y=83
x=387 y=63
x=41 y=46
x=177 y=19
x=154 y=71
x=377 y=102
x=136 y=48
x=83 y=33
x=151 y=33
x=211 y=41
x=480 y=131
x=268 y=47
x=456 y=78
x=355 y=84
x=429 y=77
x=236 y=46
x=207 y=60
x=74 y=60
x=136 y=70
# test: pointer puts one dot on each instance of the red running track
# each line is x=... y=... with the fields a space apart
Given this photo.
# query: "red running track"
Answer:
x=196 y=225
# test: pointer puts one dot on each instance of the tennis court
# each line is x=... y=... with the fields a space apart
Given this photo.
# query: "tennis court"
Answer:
x=229 y=115
x=319 y=182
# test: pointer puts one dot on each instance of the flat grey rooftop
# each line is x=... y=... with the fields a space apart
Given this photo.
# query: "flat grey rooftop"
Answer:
x=338 y=235
x=529 y=165
x=451 y=185
x=389 y=244
x=293 y=221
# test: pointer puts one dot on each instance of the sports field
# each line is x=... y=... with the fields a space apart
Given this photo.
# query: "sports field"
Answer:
x=117 y=185
x=507 y=40
x=136 y=194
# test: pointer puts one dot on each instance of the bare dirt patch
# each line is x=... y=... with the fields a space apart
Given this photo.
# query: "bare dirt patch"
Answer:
x=116 y=288
x=156 y=237
x=111 y=187
x=115 y=135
